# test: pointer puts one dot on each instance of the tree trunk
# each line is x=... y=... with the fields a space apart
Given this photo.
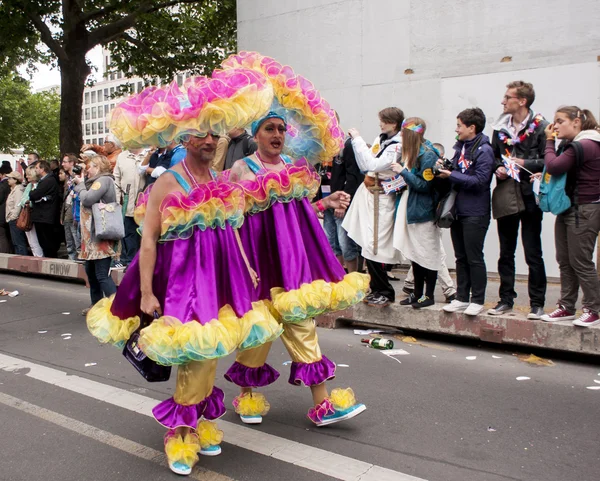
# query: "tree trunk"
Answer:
x=73 y=75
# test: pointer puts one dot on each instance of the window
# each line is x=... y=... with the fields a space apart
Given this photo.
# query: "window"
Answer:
x=112 y=76
x=100 y=95
x=94 y=130
x=88 y=141
x=105 y=110
x=93 y=97
x=112 y=106
x=93 y=112
x=100 y=127
x=180 y=80
x=87 y=129
x=100 y=141
x=87 y=114
x=140 y=87
x=112 y=91
x=105 y=95
x=94 y=141
x=119 y=75
x=106 y=131
x=87 y=98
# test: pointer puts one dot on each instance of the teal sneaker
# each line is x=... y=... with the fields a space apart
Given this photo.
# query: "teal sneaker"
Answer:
x=212 y=450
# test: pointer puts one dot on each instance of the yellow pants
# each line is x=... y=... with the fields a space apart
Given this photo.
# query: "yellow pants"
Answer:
x=195 y=382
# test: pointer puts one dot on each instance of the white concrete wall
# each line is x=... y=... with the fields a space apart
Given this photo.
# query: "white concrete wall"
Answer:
x=356 y=52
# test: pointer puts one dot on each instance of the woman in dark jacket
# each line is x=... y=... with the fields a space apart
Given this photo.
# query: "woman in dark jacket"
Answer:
x=576 y=229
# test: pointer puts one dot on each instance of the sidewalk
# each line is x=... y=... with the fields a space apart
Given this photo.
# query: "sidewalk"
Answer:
x=513 y=328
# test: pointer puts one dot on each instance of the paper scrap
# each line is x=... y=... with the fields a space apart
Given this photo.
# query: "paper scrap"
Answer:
x=407 y=339
x=596 y=381
x=536 y=186
x=42 y=332
x=88 y=364
x=533 y=359
x=342 y=365
x=471 y=358
x=286 y=363
x=66 y=313
x=366 y=332
x=66 y=338
x=395 y=352
x=523 y=378
x=13 y=294
x=593 y=388
x=66 y=334
x=491 y=429
x=3 y=300
x=496 y=357
x=433 y=355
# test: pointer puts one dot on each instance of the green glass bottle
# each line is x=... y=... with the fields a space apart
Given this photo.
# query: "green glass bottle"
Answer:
x=379 y=343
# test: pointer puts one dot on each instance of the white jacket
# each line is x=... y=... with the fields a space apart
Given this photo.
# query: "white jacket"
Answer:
x=368 y=161
x=127 y=173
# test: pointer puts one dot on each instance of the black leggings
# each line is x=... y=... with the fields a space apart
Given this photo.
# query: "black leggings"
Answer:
x=424 y=276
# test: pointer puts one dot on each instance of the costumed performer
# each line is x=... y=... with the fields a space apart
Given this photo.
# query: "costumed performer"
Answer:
x=190 y=268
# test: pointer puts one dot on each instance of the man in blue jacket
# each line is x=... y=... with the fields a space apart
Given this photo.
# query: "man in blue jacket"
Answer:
x=471 y=175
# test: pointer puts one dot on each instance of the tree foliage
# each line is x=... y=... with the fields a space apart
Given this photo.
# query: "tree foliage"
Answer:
x=151 y=38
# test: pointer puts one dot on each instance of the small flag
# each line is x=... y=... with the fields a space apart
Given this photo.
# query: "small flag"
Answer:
x=463 y=163
x=512 y=169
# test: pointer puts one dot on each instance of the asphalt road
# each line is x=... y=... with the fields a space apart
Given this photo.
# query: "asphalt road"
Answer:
x=434 y=414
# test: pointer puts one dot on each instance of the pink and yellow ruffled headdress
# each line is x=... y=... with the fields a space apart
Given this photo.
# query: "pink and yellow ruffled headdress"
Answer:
x=312 y=127
x=159 y=115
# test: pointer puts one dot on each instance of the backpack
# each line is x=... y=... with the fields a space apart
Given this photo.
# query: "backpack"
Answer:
x=553 y=196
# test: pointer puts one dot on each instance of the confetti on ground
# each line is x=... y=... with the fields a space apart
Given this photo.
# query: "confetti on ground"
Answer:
x=471 y=358
x=3 y=300
x=66 y=338
x=593 y=388
x=286 y=363
x=533 y=359
x=366 y=332
x=66 y=334
x=88 y=364
x=433 y=355
x=66 y=313
x=342 y=365
x=491 y=429
x=395 y=352
x=596 y=381
x=13 y=294
x=496 y=357
x=523 y=378
x=42 y=332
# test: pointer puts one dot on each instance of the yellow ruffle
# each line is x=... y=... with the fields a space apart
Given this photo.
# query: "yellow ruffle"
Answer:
x=313 y=299
x=209 y=434
x=108 y=328
x=342 y=399
x=168 y=341
x=183 y=450
x=251 y=404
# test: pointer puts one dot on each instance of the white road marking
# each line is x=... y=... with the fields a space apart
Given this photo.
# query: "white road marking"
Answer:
x=112 y=440
x=309 y=457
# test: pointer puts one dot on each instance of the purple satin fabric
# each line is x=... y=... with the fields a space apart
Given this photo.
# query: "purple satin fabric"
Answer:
x=172 y=415
x=288 y=247
x=193 y=278
x=244 y=376
x=312 y=374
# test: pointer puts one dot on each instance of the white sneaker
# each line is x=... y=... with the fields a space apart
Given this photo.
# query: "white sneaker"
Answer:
x=473 y=309
x=456 y=306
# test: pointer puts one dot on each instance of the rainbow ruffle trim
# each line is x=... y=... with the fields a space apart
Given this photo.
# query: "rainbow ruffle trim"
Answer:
x=168 y=341
x=159 y=115
x=317 y=297
x=313 y=130
x=208 y=206
x=293 y=183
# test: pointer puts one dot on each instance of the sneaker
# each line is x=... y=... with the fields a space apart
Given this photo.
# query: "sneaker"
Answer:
x=536 y=313
x=339 y=407
x=118 y=265
x=450 y=298
x=424 y=301
x=212 y=450
x=251 y=407
x=85 y=311
x=368 y=297
x=473 y=309
x=587 y=319
x=178 y=451
x=392 y=277
x=501 y=308
x=379 y=301
x=409 y=300
x=456 y=306
x=210 y=438
x=559 y=314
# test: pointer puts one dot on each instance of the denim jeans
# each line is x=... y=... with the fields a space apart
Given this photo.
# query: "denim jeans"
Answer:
x=72 y=239
x=338 y=238
x=101 y=284
x=19 y=239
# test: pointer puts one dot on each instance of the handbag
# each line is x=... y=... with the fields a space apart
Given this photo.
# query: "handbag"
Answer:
x=150 y=370
x=553 y=197
x=108 y=221
x=24 y=221
x=445 y=213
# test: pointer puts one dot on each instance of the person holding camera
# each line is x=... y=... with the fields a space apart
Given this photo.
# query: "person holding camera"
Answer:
x=72 y=236
x=471 y=175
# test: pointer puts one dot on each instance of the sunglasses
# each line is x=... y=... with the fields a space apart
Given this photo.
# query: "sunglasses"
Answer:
x=200 y=135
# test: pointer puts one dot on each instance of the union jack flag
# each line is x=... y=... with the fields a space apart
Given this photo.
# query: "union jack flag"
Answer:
x=463 y=163
x=512 y=169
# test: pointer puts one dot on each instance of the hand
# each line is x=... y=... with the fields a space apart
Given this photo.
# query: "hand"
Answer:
x=518 y=161
x=85 y=147
x=339 y=213
x=149 y=304
x=337 y=200
x=353 y=133
x=549 y=131
x=501 y=173
x=444 y=174
x=397 y=168
x=536 y=176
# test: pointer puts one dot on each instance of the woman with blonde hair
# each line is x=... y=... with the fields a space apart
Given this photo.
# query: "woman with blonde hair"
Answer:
x=415 y=234
x=32 y=179
x=98 y=187
x=13 y=209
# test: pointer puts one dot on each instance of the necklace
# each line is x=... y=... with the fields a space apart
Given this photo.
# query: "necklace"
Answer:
x=530 y=130
x=192 y=178
x=262 y=162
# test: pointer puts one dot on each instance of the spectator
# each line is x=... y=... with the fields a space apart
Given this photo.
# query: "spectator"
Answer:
x=576 y=230
x=71 y=228
x=45 y=200
x=129 y=183
x=98 y=187
x=32 y=180
x=175 y=154
x=415 y=234
x=239 y=144
x=371 y=228
x=5 y=242
x=13 y=209
x=55 y=167
x=155 y=159
x=519 y=134
x=32 y=158
x=471 y=175
x=111 y=149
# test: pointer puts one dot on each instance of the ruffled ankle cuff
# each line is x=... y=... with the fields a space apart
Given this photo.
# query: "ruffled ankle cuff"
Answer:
x=173 y=415
x=312 y=374
x=251 y=404
x=244 y=376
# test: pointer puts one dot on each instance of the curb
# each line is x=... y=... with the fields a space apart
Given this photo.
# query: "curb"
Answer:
x=513 y=328
x=57 y=268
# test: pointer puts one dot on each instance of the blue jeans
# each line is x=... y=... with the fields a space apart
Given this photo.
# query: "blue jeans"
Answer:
x=72 y=239
x=19 y=239
x=338 y=238
x=101 y=284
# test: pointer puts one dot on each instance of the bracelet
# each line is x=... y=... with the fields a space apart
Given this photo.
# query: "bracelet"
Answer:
x=320 y=206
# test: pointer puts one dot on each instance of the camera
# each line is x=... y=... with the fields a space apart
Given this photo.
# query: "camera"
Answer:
x=446 y=165
x=77 y=169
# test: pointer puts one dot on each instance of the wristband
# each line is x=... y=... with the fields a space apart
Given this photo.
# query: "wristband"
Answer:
x=320 y=206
